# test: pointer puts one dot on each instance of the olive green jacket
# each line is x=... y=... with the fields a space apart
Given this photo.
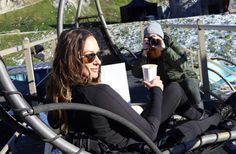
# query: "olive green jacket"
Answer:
x=172 y=65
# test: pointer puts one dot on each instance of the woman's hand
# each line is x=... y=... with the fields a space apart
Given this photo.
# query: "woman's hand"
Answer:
x=157 y=82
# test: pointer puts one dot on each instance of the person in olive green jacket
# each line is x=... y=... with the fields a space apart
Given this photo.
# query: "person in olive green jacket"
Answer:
x=160 y=49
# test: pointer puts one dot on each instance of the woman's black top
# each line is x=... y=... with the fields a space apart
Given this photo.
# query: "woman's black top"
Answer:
x=103 y=96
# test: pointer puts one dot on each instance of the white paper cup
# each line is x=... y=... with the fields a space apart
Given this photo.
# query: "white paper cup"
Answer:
x=149 y=72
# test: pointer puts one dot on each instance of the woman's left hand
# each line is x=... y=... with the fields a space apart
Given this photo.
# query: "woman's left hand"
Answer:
x=157 y=82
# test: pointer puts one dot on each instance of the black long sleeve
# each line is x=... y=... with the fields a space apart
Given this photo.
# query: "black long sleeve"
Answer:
x=105 y=97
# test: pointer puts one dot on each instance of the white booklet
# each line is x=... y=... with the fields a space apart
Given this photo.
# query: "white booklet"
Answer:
x=115 y=75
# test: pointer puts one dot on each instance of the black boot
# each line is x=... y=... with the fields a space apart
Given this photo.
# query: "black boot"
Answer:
x=225 y=110
x=232 y=101
x=171 y=138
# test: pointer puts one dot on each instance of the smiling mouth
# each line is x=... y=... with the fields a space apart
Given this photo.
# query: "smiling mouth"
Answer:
x=94 y=69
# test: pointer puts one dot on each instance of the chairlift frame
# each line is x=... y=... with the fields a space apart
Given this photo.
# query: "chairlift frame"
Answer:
x=110 y=43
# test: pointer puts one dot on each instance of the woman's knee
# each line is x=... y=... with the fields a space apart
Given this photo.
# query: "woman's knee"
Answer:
x=176 y=90
x=174 y=85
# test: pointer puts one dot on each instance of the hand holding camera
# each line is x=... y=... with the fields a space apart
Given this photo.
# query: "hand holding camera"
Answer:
x=155 y=41
x=152 y=42
x=154 y=46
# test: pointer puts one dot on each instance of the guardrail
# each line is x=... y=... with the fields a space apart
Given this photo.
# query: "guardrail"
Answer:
x=26 y=46
x=30 y=44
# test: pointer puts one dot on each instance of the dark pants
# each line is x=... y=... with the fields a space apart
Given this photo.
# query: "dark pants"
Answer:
x=192 y=90
x=176 y=101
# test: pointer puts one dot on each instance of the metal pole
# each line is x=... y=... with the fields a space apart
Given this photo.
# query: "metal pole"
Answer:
x=100 y=14
x=78 y=11
x=167 y=28
x=29 y=67
x=10 y=144
x=60 y=13
x=202 y=58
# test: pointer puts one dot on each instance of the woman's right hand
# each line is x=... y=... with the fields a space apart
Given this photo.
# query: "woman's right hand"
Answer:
x=157 y=82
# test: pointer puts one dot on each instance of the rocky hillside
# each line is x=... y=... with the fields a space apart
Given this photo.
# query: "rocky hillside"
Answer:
x=10 y=5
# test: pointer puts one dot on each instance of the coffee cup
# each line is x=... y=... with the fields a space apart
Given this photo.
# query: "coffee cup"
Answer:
x=149 y=72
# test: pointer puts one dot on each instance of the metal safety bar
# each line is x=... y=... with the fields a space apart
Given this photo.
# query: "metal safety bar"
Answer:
x=203 y=140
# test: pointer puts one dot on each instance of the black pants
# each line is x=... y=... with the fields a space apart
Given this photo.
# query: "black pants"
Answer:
x=175 y=101
x=192 y=90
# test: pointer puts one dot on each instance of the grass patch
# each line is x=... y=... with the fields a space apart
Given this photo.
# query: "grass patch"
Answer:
x=8 y=41
x=40 y=16
x=110 y=8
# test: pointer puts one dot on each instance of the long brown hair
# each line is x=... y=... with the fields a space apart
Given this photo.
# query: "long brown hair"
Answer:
x=66 y=72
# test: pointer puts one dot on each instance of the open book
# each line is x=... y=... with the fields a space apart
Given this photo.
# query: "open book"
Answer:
x=115 y=75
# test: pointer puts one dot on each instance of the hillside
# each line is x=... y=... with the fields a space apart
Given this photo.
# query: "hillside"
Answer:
x=11 y=5
x=31 y=15
x=42 y=22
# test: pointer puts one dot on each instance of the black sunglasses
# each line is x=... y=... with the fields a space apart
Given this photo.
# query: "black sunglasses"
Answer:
x=89 y=58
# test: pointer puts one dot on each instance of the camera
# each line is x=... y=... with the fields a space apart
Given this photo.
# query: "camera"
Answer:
x=154 y=42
